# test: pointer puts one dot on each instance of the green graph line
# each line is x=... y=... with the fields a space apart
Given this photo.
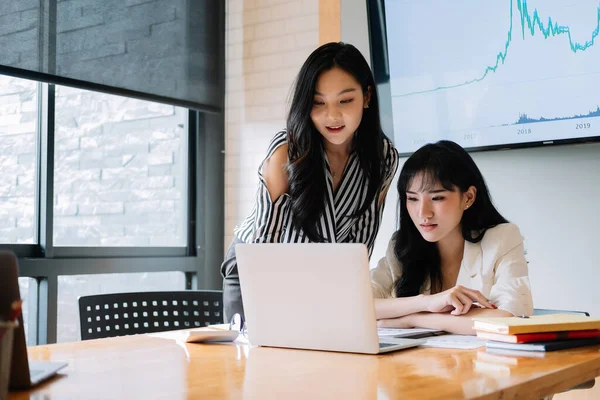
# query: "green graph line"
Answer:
x=529 y=23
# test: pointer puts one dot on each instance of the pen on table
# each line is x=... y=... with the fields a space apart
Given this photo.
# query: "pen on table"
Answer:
x=478 y=304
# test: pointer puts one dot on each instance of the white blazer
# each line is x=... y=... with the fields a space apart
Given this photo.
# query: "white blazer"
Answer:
x=495 y=266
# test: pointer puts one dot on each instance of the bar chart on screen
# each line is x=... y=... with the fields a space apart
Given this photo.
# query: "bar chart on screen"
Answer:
x=493 y=73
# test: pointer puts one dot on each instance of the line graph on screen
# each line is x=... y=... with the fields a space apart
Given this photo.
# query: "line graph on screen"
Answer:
x=542 y=73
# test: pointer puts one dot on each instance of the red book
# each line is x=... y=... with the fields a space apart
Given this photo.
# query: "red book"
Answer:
x=538 y=337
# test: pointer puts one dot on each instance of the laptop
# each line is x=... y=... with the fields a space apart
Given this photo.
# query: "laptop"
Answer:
x=23 y=373
x=313 y=296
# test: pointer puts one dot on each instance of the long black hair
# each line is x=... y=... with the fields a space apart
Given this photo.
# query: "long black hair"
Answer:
x=307 y=177
x=450 y=165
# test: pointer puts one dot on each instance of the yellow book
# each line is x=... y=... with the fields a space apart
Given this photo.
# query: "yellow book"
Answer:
x=536 y=324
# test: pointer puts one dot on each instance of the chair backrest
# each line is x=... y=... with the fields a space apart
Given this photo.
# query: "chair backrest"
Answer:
x=546 y=311
x=121 y=314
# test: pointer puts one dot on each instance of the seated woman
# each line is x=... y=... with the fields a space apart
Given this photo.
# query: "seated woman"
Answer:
x=454 y=256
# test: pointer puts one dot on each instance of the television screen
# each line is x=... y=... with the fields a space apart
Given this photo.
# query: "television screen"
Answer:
x=487 y=74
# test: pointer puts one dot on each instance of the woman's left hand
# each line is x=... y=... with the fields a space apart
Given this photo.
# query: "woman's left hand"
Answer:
x=401 y=322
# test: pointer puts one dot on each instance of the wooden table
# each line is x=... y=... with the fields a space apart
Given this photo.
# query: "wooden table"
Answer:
x=150 y=367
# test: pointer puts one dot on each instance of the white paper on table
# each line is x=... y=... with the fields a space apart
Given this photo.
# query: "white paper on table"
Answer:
x=454 y=342
x=224 y=327
x=405 y=333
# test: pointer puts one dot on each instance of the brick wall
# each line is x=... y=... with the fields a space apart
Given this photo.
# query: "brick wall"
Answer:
x=18 y=116
x=100 y=40
x=157 y=46
x=19 y=21
x=120 y=168
x=120 y=175
x=267 y=42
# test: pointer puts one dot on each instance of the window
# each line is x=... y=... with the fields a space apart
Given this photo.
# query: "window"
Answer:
x=28 y=291
x=95 y=197
x=120 y=171
x=18 y=159
x=71 y=287
x=93 y=182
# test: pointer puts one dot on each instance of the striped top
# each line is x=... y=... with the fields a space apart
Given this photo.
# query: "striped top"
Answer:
x=271 y=222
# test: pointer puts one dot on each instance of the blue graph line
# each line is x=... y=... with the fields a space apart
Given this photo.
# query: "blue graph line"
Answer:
x=530 y=23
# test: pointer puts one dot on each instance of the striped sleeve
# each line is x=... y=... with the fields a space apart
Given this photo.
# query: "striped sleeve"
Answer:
x=391 y=166
x=266 y=223
x=270 y=217
x=367 y=225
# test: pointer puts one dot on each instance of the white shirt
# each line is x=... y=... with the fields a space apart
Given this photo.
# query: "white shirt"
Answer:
x=495 y=266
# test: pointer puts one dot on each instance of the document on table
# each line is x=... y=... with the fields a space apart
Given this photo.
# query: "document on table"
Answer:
x=454 y=342
x=413 y=333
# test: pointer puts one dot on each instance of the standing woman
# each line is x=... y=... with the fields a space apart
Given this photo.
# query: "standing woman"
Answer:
x=325 y=177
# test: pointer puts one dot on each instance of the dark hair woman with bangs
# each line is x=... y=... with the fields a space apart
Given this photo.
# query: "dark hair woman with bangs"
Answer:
x=325 y=177
x=454 y=257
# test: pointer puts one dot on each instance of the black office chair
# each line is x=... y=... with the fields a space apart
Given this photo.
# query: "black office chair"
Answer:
x=120 y=314
x=546 y=311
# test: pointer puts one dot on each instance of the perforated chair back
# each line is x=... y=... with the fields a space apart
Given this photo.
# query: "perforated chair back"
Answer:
x=121 y=314
x=546 y=311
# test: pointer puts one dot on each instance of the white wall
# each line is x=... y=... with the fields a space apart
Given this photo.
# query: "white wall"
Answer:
x=267 y=42
x=551 y=193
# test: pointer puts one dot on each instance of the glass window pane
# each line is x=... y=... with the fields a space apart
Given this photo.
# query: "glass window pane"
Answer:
x=70 y=288
x=18 y=159
x=120 y=171
x=28 y=291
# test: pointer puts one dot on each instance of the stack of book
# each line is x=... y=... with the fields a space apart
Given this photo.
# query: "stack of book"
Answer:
x=538 y=333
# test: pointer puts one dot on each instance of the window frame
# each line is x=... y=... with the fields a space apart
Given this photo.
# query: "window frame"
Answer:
x=198 y=259
x=45 y=262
